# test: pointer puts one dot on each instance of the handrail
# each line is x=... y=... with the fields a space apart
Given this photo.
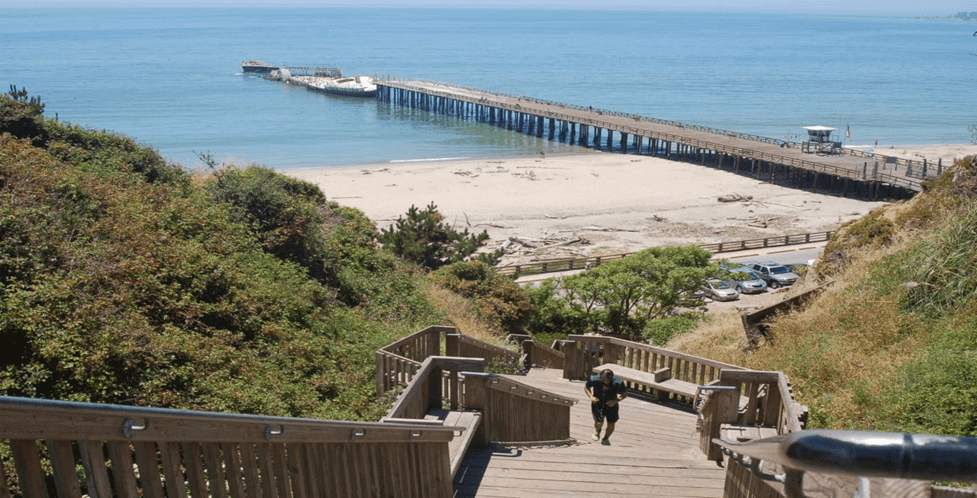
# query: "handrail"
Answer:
x=424 y=391
x=516 y=388
x=859 y=454
x=29 y=418
x=72 y=449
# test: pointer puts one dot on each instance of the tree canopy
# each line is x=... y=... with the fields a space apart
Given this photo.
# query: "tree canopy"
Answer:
x=623 y=296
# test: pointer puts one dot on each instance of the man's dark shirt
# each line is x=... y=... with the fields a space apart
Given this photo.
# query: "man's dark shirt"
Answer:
x=607 y=392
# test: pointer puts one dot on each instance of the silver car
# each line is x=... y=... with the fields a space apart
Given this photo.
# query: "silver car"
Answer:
x=719 y=290
x=745 y=281
x=775 y=274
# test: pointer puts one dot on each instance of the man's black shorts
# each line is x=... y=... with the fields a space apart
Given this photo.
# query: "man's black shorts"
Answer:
x=601 y=411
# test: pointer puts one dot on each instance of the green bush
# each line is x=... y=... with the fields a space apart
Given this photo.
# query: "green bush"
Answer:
x=424 y=238
x=123 y=282
x=939 y=394
x=623 y=296
x=941 y=268
x=553 y=313
x=661 y=330
x=496 y=298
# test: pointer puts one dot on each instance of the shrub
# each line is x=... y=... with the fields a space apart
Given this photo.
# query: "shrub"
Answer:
x=498 y=299
x=661 y=330
x=553 y=313
x=423 y=238
x=624 y=295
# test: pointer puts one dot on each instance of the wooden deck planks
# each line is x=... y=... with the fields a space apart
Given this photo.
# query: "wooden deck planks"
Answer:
x=653 y=452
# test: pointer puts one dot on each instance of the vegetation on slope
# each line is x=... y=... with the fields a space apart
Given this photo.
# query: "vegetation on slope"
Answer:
x=892 y=344
x=124 y=279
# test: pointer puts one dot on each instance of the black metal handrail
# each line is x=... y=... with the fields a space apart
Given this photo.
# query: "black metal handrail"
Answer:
x=860 y=454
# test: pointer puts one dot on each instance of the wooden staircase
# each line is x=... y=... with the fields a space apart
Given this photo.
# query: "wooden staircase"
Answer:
x=653 y=452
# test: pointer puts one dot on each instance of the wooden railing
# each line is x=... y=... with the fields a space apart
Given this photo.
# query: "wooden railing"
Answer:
x=400 y=361
x=783 y=240
x=397 y=363
x=426 y=391
x=70 y=449
x=511 y=411
x=515 y=412
x=466 y=347
x=567 y=264
x=758 y=399
x=583 y=353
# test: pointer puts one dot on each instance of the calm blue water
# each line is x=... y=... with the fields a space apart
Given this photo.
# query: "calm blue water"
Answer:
x=171 y=78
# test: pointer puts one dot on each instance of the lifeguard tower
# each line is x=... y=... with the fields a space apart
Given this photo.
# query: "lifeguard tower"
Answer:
x=819 y=141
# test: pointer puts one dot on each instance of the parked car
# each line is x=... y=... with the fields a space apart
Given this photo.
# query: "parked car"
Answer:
x=799 y=268
x=719 y=290
x=746 y=281
x=775 y=275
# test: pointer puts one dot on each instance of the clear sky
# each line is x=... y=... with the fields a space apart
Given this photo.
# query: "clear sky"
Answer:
x=938 y=8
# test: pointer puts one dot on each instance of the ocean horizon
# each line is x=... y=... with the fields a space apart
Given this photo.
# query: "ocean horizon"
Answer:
x=172 y=78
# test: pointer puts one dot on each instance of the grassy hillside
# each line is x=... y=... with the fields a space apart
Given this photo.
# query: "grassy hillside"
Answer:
x=124 y=279
x=892 y=343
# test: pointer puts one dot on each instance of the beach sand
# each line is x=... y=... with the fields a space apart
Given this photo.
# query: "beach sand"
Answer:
x=593 y=203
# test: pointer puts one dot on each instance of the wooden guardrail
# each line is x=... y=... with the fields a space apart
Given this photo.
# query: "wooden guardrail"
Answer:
x=511 y=410
x=536 y=354
x=515 y=412
x=584 y=352
x=568 y=264
x=425 y=392
x=400 y=361
x=68 y=449
x=757 y=398
x=467 y=347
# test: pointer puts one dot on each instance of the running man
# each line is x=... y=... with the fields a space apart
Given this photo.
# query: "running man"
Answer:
x=605 y=392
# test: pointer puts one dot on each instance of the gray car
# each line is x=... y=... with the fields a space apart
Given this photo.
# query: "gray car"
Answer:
x=746 y=281
x=775 y=274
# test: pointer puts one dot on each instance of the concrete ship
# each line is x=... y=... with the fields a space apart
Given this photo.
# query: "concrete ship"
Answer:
x=324 y=80
x=257 y=67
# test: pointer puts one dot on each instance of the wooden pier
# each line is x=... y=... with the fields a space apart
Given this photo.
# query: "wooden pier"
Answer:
x=850 y=172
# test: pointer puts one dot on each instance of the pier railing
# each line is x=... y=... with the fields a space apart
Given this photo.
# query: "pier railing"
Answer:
x=71 y=449
x=567 y=264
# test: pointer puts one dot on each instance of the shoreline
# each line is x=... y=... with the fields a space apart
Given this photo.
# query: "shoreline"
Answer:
x=592 y=203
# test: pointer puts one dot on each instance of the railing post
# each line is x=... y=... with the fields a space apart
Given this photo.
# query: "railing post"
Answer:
x=528 y=347
x=452 y=345
x=720 y=407
x=381 y=372
x=435 y=395
x=476 y=398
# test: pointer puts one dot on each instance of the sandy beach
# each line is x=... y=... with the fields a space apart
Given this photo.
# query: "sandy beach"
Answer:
x=593 y=203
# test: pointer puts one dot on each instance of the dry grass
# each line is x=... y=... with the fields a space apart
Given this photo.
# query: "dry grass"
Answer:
x=721 y=338
x=838 y=352
x=461 y=314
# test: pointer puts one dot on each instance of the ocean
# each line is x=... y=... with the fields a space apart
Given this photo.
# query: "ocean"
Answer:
x=171 y=78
